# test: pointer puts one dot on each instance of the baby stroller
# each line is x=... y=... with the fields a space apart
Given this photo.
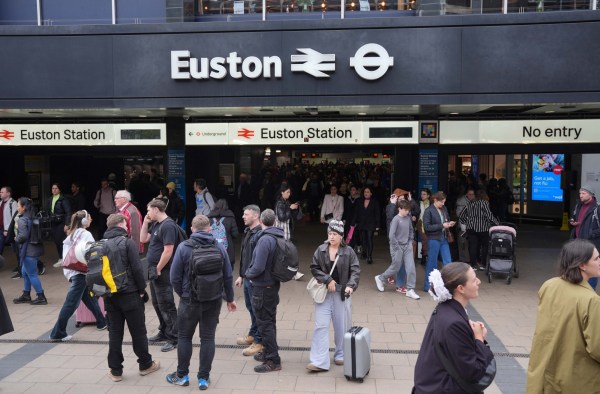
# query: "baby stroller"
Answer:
x=501 y=252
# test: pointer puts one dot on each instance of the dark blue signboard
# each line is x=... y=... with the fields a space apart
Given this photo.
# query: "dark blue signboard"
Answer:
x=546 y=172
x=176 y=173
x=428 y=169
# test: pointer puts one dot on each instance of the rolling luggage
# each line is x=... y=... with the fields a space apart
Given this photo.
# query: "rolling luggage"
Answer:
x=84 y=316
x=357 y=352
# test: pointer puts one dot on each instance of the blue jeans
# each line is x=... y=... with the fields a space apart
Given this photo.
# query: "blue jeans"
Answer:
x=29 y=272
x=253 y=332
x=77 y=292
x=190 y=314
x=435 y=247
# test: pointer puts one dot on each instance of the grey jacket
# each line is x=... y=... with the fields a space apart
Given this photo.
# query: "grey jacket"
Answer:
x=348 y=267
x=22 y=237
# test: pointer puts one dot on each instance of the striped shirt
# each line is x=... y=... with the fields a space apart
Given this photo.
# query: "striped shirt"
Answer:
x=478 y=217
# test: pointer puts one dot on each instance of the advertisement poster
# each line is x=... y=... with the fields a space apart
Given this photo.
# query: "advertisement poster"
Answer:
x=546 y=175
x=428 y=169
x=176 y=173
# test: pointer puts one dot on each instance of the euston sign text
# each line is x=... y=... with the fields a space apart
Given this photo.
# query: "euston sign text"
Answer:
x=370 y=62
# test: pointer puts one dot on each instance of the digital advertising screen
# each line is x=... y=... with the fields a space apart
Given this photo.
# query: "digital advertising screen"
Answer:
x=546 y=174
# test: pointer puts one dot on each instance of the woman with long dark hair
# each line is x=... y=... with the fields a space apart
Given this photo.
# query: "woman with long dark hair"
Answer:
x=366 y=219
x=565 y=352
x=437 y=225
x=78 y=233
x=60 y=212
x=29 y=252
x=283 y=211
x=452 y=335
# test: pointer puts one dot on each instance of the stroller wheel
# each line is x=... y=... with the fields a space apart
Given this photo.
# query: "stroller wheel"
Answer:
x=489 y=278
x=508 y=280
x=516 y=274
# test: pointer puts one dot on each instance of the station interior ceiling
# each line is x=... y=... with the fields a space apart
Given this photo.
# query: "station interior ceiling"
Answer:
x=353 y=112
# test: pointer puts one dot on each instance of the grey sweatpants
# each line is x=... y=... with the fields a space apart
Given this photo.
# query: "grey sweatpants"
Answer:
x=402 y=255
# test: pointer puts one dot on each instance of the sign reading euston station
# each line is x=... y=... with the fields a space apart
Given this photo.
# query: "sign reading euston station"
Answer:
x=301 y=133
x=520 y=131
x=370 y=62
x=83 y=134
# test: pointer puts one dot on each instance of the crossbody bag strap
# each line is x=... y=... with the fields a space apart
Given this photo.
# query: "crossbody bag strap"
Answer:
x=334 y=263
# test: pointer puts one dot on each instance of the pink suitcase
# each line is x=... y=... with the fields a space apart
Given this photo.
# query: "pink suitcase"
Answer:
x=84 y=316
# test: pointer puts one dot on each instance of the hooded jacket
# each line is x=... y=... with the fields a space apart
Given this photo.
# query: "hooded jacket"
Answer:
x=259 y=271
x=180 y=268
x=131 y=259
x=22 y=236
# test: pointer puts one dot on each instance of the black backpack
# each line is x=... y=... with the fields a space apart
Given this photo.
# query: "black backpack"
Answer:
x=205 y=271
x=107 y=273
x=285 y=262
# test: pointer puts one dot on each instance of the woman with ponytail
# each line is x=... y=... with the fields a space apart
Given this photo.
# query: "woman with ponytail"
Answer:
x=451 y=337
x=78 y=233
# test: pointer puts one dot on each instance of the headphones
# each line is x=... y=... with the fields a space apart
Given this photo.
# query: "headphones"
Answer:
x=85 y=221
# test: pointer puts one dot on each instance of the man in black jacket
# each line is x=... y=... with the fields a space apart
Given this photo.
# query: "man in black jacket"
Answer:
x=127 y=305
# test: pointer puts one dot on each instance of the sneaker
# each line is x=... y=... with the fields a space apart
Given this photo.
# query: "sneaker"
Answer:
x=481 y=267
x=312 y=367
x=338 y=362
x=58 y=264
x=16 y=275
x=247 y=340
x=153 y=368
x=260 y=356
x=253 y=349
x=267 y=366
x=401 y=290
x=114 y=378
x=379 y=283
x=167 y=347
x=173 y=378
x=65 y=339
x=391 y=281
x=102 y=328
x=298 y=276
x=160 y=337
x=203 y=383
x=411 y=294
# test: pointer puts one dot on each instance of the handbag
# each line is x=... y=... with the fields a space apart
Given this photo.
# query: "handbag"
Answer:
x=350 y=234
x=328 y=216
x=299 y=214
x=450 y=237
x=475 y=388
x=70 y=260
x=317 y=290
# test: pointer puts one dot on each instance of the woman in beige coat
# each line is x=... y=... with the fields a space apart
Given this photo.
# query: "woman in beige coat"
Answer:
x=565 y=353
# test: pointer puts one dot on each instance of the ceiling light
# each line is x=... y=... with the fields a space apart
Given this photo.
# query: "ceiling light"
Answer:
x=227 y=115
x=454 y=113
x=550 y=112
x=362 y=113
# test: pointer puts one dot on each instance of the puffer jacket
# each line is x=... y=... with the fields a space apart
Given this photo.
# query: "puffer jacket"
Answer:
x=348 y=267
x=22 y=236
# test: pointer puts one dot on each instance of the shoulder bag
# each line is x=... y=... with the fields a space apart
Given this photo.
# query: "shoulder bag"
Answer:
x=475 y=388
x=317 y=290
x=70 y=261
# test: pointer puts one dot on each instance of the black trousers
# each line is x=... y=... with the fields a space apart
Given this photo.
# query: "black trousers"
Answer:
x=163 y=302
x=478 y=247
x=264 y=302
x=121 y=308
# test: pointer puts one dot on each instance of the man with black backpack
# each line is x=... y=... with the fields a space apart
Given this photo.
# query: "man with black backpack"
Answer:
x=265 y=292
x=201 y=276
x=127 y=304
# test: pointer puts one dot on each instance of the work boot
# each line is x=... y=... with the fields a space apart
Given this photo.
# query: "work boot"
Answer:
x=40 y=300
x=25 y=298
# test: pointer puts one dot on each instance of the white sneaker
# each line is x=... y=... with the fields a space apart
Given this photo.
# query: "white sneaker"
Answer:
x=58 y=264
x=412 y=294
x=298 y=276
x=379 y=283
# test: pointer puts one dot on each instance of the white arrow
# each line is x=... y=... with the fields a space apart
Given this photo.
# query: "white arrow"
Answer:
x=313 y=62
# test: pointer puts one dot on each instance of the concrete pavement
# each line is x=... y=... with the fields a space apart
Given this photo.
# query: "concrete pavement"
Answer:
x=30 y=364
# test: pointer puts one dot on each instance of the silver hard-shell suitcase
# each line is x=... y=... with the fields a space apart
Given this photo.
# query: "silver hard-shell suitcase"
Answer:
x=357 y=353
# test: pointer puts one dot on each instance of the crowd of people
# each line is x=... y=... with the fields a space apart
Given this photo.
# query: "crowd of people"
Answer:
x=200 y=270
